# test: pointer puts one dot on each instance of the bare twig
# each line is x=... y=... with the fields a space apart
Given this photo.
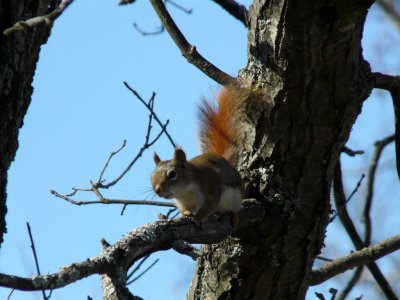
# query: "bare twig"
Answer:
x=150 y=110
x=185 y=248
x=351 y=283
x=323 y=258
x=144 y=271
x=392 y=84
x=147 y=239
x=10 y=294
x=173 y=3
x=340 y=201
x=172 y=213
x=355 y=259
x=351 y=152
x=235 y=9
x=109 y=159
x=35 y=255
x=113 y=201
x=356 y=188
x=161 y=27
x=178 y=6
x=101 y=184
x=147 y=33
x=187 y=50
x=379 y=147
x=320 y=296
x=123 y=2
x=47 y=19
x=137 y=267
x=147 y=143
x=338 y=209
x=332 y=291
x=391 y=10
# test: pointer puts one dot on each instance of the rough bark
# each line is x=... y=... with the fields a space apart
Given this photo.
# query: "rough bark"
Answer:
x=19 y=53
x=307 y=58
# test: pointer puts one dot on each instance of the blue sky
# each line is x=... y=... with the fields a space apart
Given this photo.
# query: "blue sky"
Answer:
x=81 y=112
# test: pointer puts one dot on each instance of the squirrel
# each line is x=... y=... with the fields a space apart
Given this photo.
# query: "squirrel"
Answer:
x=207 y=183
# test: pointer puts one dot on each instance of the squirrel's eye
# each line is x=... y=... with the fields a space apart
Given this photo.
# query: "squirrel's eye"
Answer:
x=171 y=174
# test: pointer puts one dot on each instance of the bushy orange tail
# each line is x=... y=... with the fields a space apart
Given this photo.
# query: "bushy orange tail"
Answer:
x=218 y=127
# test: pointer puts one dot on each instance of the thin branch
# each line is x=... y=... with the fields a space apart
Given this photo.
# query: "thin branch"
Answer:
x=340 y=201
x=386 y=82
x=35 y=255
x=138 y=243
x=390 y=9
x=148 y=33
x=147 y=142
x=113 y=201
x=332 y=291
x=189 y=51
x=351 y=152
x=379 y=147
x=178 y=6
x=355 y=259
x=47 y=19
x=150 y=110
x=338 y=209
x=141 y=262
x=144 y=272
x=235 y=9
x=161 y=28
x=323 y=258
x=185 y=248
x=392 y=84
x=10 y=294
x=356 y=188
x=123 y=2
x=351 y=283
x=109 y=159
x=100 y=183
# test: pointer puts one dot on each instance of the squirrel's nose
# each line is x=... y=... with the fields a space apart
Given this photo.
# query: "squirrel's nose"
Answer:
x=157 y=189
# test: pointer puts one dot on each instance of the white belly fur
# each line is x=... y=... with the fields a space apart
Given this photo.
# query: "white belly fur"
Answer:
x=189 y=194
x=231 y=200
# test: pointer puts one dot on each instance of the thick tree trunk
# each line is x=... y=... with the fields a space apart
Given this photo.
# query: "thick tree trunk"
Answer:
x=19 y=53
x=307 y=57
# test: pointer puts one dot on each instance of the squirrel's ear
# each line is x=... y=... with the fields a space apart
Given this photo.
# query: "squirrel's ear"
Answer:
x=156 y=158
x=179 y=155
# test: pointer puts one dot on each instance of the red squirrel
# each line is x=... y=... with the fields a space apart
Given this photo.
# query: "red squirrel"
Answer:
x=207 y=183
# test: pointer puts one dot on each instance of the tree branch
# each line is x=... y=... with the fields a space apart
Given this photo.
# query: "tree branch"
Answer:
x=340 y=201
x=150 y=109
x=28 y=226
x=235 y=9
x=101 y=184
x=351 y=283
x=392 y=84
x=351 y=152
x=379 y=147
x=47 y=19
x=355 y=259
x=149 y=238
x=113 y=201
x=187 y=50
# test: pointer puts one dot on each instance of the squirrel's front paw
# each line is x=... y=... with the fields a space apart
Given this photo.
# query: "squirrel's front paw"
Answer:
x=189 y=215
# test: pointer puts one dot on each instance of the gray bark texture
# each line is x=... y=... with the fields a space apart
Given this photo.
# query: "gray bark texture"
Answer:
x=19 y=53
x=306 y=58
